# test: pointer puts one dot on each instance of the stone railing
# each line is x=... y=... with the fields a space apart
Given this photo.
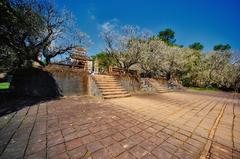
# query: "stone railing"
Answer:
x=93 y=89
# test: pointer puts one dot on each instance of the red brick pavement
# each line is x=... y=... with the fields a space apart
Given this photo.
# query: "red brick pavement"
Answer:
x=169 y=125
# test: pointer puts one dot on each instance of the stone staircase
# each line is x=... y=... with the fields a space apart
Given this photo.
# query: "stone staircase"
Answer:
x=161 y=88
x=110 y=87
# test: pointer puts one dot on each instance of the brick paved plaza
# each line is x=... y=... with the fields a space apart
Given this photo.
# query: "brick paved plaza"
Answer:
x=167 y=125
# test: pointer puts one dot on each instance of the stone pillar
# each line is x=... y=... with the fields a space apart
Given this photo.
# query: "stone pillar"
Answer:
x=110 y=69
x=90 y=66
x=86 y=66
x=96 y=68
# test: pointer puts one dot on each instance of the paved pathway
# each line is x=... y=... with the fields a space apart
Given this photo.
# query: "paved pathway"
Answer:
x=169 y=125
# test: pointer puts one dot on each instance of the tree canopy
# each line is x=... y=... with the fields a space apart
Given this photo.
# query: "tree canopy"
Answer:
x=168 y=36
x=33 y=30
x=196 y=46
x=104 y=61
x=221 y=47
x=156 y=57
x=123 y=44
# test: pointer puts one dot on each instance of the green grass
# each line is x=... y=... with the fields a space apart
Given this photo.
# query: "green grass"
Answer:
x=4 y=85
x=209 y=89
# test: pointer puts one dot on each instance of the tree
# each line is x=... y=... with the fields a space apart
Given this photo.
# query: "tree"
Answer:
x=192 y=67
x=160 y=59
x=15 y=30
x=104 y=61
x=196 y=46
x=218 y=62
x=127 y=47
x=123 y=44
x=236 y=70
x=168 y=36
x=221 y=47
x=152 y=51
x=33 y=29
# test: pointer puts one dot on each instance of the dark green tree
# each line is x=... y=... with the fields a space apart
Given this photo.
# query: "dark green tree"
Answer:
x=196 y=46
x=221 y=47
x=168 y=36
x=30 y=29
x=19 y=24
x=104 y=60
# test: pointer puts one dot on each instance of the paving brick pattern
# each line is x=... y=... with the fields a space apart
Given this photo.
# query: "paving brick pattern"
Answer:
x=170 y=125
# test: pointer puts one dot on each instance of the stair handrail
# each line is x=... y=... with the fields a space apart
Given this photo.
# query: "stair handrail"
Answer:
x=93 y=84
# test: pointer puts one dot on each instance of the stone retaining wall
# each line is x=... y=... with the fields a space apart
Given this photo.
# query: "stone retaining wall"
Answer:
x=130 y=83
x=70 y=81
x=146 y=86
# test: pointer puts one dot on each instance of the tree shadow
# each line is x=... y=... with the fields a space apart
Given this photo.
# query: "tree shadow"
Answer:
x=28 y=87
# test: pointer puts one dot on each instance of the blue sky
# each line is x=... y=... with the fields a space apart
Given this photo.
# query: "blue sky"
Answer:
x=207 y=21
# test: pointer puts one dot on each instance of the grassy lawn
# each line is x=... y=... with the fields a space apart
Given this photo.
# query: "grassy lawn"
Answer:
x=210 y=89
x=4 y=85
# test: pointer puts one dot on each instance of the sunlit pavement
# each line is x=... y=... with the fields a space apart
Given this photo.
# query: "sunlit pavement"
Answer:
x=167 y=125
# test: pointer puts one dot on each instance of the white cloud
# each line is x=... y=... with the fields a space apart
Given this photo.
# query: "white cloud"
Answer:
x=114 y=20
x=91 y=14
x=109 y=25
x=92 y=17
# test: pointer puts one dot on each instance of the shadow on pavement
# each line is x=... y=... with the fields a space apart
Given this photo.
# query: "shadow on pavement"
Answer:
x=28 y=87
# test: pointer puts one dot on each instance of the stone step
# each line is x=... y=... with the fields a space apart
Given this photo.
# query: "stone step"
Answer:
x=162 y=91
x=102 y=81
x=109 y=84
x=109 y=87
x=161 y=88
x=112 y=89
x=114 y=93
x=105 y=77
x=116 y=96
x=106 y=80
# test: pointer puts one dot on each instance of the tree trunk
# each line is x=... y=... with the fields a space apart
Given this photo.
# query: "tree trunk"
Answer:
x=168 y=75
x=39 y=61
x=126 y=68
x=48 y=60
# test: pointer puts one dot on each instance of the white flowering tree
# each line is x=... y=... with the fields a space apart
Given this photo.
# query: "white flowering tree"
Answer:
x=123 y=43
x=160 y=59
x=222 y=68
x=128 y=45
x=152 y=56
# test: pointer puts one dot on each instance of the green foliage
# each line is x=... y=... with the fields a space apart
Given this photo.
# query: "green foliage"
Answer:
x=104 y=60
x=196 y=46
x=208 y=89
x=221 y=47
x=168 y=36
x=4 y=85
x=192 y=67
x=30 y=29
x=19 y=25
x=217 y=69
